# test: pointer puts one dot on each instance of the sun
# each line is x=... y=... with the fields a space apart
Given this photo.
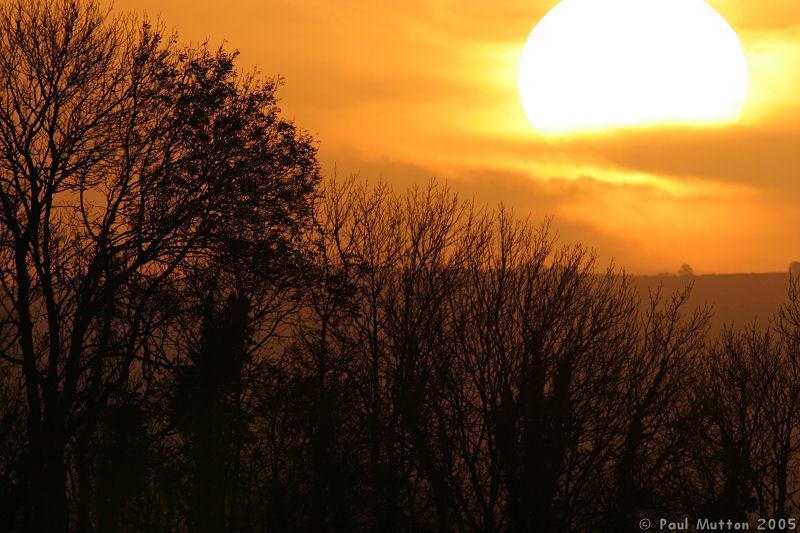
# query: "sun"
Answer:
x=593 y=65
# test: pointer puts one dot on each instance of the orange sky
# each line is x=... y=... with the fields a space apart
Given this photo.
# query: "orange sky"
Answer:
x=409 y=89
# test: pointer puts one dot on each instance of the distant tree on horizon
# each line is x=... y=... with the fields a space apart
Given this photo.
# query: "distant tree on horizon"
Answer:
x=686 y=270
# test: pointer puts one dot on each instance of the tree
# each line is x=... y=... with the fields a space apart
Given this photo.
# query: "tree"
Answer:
x=206 y=408
x=741 y=369
x=245 y=283
x=123 y=161
x=653 y=410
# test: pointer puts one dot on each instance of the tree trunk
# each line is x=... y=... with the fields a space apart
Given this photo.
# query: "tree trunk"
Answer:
x=47 y=488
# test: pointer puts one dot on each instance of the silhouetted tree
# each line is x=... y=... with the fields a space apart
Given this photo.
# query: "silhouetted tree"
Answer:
x=122 y=458
x=740 y=369
x=245 y=284
x=123 y=160
x=207 y=394
x=656 y=413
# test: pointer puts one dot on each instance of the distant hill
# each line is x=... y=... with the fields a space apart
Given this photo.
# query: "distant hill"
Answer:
x=736 y=298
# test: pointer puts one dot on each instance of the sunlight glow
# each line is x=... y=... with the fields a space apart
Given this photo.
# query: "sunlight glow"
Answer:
x=594 y=65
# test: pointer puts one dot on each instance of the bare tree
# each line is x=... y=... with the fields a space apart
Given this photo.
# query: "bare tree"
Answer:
x=750 y=398
x=655 y=408
x=502 y=381
x=122 y=160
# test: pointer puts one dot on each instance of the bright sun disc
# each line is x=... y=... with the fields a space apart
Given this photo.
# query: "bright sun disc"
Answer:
x=602 y=64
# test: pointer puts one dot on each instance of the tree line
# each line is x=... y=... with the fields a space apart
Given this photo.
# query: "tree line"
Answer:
x=199 y=334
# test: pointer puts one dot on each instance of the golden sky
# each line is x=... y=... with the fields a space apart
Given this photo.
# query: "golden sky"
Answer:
x=405 y=90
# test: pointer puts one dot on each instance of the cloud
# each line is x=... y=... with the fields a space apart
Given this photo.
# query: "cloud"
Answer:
x=760 y=157
x=412 y=89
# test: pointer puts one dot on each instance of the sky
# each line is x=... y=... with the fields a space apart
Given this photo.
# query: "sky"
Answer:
x=407 y=90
